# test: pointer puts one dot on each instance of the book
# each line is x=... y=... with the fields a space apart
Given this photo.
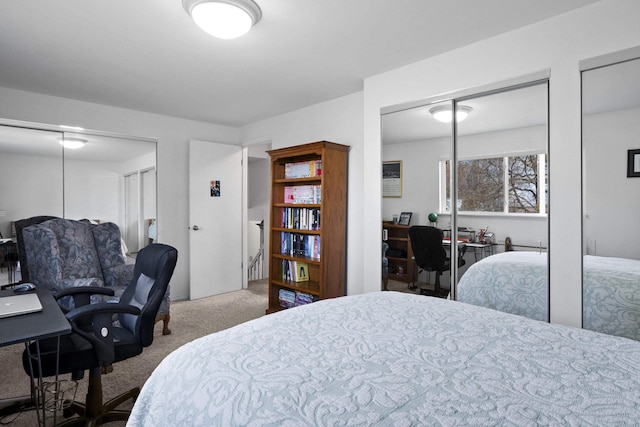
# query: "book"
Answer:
x=287 y=298
x=303 y=169
x=300 y=271
x=295 y=244
x=303 y=298
x=303 y=194
x=300 y=218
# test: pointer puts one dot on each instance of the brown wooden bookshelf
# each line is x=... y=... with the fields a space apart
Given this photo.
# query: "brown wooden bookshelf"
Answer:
x=402 y=267
x=322 y=249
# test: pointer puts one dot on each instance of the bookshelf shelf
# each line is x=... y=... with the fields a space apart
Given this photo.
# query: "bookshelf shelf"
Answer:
x=401 y=268
x=308 y=223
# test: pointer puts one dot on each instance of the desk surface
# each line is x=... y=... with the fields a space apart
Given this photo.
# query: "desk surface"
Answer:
x=470 y=244
x=49 y=322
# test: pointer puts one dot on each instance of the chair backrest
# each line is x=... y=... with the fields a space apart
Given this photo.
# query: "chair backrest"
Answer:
x=108 y=241
x=426 y=243
x=22 y=257
x=153 y=270
x=70 y=243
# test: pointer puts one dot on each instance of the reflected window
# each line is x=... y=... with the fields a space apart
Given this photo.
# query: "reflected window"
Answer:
x=510 y=184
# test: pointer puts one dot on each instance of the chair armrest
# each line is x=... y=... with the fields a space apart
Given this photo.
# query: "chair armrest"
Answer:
x=94 y=323
x=82 y=294
x=85 y=290
x=102 y=307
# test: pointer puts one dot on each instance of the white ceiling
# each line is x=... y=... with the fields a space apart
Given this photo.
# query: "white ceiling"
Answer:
x=148 y=55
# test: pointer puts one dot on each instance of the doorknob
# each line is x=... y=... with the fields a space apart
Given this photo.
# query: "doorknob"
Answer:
x=195 y=228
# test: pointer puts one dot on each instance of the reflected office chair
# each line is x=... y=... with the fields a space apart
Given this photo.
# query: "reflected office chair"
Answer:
x=95 y=342
x=429 y=253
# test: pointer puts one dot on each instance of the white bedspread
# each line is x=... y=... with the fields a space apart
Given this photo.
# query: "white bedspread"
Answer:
x=512 y=282
x=389 y=358
x=516 y=282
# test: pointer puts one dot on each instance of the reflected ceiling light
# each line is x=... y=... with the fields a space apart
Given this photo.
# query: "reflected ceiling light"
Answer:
x=225 y=19
x=442 y=113
x=71 y=127
x=72 y=142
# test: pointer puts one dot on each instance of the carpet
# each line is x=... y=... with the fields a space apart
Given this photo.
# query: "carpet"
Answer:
x=189 y=320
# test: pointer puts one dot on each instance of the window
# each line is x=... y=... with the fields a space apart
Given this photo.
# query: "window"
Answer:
x=510 y=184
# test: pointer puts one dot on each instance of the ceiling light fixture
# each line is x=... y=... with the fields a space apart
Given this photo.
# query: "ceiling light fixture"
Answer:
x=442 y=113
x=225 y=19
x=72 y=142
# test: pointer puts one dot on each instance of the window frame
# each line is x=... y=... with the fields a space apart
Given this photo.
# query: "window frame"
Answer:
x=542 y=184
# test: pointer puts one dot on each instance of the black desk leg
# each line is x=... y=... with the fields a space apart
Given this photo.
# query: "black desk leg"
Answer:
x=38 y=389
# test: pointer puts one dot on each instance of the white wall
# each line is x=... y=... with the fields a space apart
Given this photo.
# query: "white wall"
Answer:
x=29 y=191
x=173 y=135
x=93 y=190
x=259 y=201
x=557 y=44
x=610 y=229
x=340 y=121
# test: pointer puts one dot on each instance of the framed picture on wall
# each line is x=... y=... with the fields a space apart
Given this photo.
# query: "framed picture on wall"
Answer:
x=633 y=164
x=392 y=178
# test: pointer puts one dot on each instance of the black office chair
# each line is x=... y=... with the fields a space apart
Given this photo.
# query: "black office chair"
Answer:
x=95 y=343
x=430 y=255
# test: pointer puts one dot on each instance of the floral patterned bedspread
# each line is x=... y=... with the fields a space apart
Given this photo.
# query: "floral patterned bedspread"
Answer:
x=512 y=282
x=390 y=358
x=516 y=282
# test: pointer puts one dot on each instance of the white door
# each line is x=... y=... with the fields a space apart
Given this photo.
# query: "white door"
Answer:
x=215 y=215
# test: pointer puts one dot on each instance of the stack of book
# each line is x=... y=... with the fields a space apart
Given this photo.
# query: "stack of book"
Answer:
x=303 y=169
x=294 y=244
x=289 y=298
x=303 y=194
x=301 y=218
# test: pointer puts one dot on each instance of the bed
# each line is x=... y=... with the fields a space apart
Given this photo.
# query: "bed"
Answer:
x=513 y=282
x=516 y=282
x=390 y=358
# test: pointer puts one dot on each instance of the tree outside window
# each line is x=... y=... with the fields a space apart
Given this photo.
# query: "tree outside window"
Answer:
x=508 y=184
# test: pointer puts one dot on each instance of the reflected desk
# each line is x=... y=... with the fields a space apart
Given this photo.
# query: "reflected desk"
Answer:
x=25 y=328
x=476 y=246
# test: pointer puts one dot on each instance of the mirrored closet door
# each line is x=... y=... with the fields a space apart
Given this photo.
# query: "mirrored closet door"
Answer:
x=611 y=194
x=499 y=182
x=78 y=174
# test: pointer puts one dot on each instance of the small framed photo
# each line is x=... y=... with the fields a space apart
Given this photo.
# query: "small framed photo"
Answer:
x=405 y=218
x=633 y=164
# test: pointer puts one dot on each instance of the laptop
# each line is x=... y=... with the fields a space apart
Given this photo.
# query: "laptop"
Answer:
x=19 y=304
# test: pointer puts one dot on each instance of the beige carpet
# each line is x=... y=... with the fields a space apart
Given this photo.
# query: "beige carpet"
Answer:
x=189 y=320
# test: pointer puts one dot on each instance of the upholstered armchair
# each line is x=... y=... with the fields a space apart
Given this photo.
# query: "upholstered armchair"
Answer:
x=63 y=253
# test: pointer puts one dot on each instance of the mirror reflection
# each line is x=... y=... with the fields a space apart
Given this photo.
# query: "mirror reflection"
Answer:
x=77 y=176
x=611 y=265
x=501 y=195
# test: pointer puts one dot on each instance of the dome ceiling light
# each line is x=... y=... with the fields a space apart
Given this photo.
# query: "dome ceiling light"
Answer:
x=225 y=19
x=443 y=114
x=72 y=142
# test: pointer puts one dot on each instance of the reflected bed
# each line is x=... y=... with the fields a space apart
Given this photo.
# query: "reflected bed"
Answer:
x=516 y=282
x=389 y=358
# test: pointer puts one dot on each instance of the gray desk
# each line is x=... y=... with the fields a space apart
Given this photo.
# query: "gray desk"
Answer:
x=50 y=322
x=483 y=247
x=24 y=328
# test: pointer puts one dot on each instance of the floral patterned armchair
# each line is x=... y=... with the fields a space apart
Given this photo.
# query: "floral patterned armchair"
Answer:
x=63 y=253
